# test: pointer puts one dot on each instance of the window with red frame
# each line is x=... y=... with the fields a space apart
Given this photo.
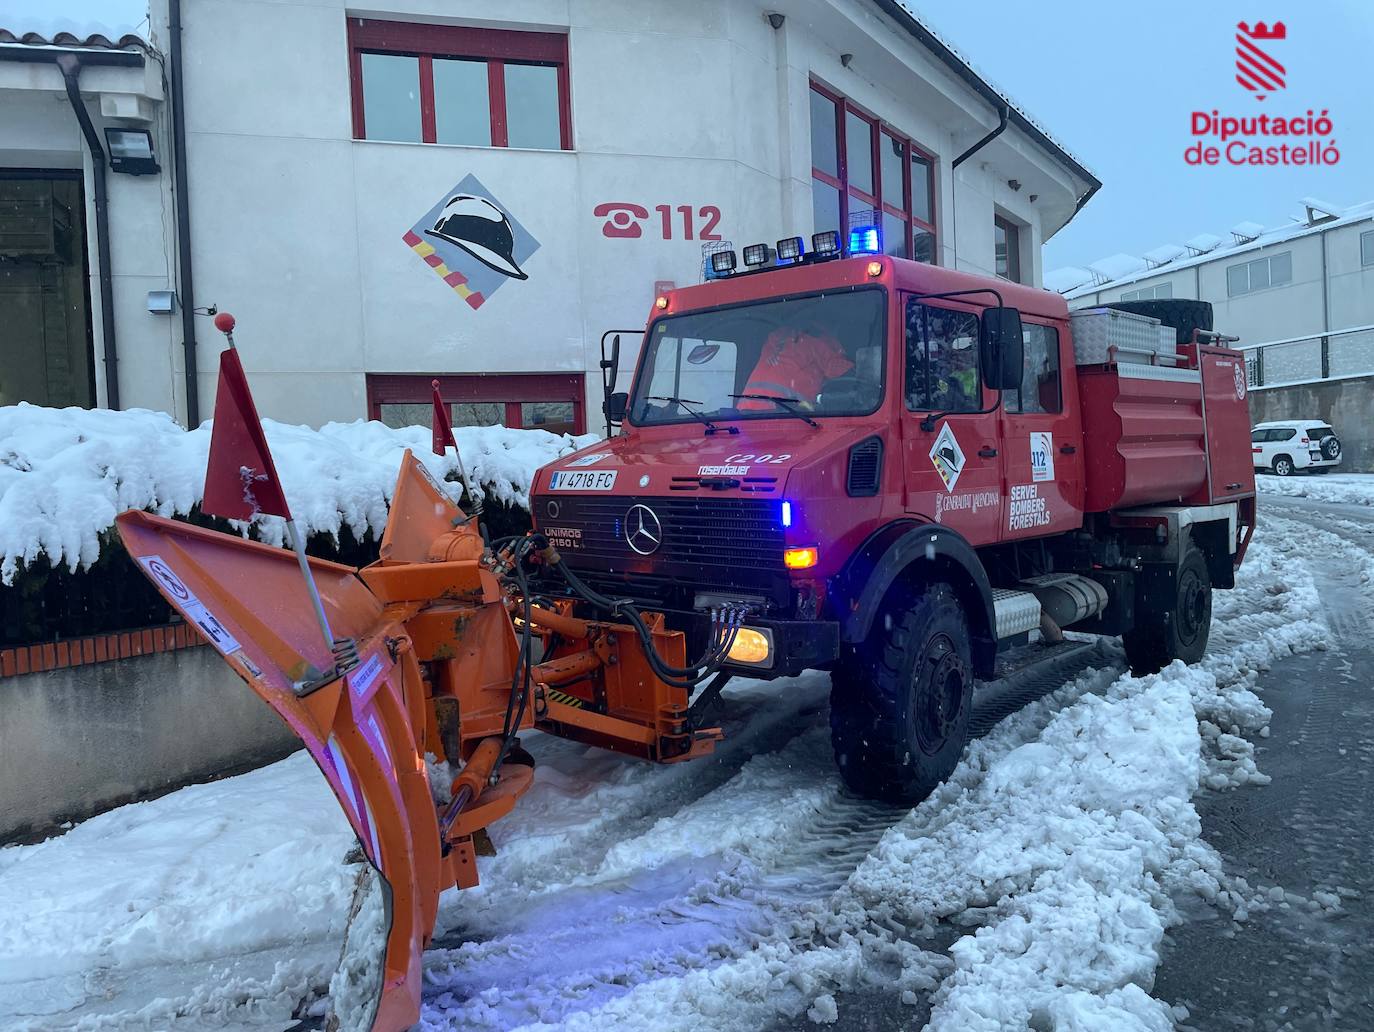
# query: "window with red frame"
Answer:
x=860 y=166
x=446 y=84
x=530 y=401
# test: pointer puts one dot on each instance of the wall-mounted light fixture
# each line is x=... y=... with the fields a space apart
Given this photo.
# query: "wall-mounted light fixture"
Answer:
x=131 y=151
x=776 y=20
x=162 y=302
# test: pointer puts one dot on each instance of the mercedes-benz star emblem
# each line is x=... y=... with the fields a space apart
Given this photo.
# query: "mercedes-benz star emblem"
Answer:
x=643 y=531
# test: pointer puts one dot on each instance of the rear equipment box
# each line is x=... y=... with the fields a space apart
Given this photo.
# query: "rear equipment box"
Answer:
x=1102 y=335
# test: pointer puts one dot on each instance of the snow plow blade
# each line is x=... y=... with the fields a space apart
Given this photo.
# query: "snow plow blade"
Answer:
x=250 y=603
x=446 y=650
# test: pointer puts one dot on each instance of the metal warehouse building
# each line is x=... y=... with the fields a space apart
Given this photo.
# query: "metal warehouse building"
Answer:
x=387 y=196
x=1300 y=296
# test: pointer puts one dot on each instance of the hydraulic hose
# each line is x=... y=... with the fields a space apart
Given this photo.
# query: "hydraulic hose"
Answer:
x=680 y=677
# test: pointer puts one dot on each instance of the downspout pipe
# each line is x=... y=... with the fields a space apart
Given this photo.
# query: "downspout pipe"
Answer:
x=183 y=219
x=70 y=67
x=1003 y=113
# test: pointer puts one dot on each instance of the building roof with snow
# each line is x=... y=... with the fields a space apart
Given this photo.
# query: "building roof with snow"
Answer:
x=1120 y=270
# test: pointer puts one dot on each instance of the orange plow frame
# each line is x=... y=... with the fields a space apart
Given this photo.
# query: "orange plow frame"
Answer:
x=436 y=622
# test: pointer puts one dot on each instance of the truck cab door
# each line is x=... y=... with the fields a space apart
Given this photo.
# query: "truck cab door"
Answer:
x=1042 y=447
x=951 y=460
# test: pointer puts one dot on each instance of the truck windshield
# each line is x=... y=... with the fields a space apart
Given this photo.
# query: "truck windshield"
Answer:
x=817 y=355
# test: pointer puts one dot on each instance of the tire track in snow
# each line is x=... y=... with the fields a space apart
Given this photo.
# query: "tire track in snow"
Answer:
x=691 y=891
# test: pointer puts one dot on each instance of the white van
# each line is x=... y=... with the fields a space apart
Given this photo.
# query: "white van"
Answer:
x=1283 y=446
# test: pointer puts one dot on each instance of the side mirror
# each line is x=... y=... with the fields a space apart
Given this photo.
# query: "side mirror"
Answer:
x=615 y=406
x=1001 y=348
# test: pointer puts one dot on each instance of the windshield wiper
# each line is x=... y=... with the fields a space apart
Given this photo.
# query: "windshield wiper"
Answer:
x=788 y=404
x=684 y=403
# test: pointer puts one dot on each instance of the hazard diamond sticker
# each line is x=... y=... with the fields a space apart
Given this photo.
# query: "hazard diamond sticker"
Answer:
x=947 y=457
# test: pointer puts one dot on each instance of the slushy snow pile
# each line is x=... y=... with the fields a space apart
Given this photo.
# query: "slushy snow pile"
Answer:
x=65 y=474
x=1340 y=488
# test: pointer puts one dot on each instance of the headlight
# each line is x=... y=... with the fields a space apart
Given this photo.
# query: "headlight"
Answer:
x=752 y=646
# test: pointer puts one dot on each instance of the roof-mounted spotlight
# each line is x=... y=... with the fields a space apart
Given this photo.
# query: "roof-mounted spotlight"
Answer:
x=722 y=263
x=757 y=254
x=826 y=244
x=790 y=249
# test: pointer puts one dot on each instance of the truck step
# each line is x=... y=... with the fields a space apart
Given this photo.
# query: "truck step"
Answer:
x=1016 y=612
x=1024 y=657
x=1026 y=674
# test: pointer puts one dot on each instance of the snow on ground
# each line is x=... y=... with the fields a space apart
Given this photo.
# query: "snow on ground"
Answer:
x=224 y=899
x=66 y=473
x=1342 y=488
x=1032 y=890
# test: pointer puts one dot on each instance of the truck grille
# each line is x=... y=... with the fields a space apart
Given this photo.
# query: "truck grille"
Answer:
x=705 y=542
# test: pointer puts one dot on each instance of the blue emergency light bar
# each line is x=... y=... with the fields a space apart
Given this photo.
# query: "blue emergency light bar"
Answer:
x=866 y=240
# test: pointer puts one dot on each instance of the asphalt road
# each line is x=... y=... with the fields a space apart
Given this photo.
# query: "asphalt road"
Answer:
x=1307 y=837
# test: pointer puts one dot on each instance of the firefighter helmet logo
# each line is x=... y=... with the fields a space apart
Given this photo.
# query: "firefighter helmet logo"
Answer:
x=643 y=531
x=947 y=457
x=1256 y=69
x=472 y=241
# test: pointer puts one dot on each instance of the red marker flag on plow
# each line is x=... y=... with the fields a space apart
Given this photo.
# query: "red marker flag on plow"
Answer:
x=241 y=483
x=440 y=425
x=240 y=479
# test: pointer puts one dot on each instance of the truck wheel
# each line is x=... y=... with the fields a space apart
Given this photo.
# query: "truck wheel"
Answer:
x=1331 y=447
x=1283 y=466
x=1174 y=627
x=900 y=702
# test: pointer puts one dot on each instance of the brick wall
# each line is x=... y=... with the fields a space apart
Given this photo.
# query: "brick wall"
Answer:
x=97 y=648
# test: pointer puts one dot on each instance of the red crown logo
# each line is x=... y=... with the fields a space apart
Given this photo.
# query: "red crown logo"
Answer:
x=1257 y=69
x=1262 y=31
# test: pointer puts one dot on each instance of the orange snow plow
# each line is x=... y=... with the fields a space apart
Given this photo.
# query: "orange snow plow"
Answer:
x=449 y=656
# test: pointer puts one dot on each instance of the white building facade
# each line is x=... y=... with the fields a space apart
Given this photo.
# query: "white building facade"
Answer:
x=389 y=197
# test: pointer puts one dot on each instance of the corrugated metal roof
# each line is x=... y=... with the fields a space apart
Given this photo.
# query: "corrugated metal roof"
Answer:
x=70 y=41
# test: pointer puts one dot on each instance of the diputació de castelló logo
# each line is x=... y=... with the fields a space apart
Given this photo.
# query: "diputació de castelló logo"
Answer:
x=1276 y=138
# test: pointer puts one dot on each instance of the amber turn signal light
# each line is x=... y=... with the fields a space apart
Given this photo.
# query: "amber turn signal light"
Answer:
x=801 y=558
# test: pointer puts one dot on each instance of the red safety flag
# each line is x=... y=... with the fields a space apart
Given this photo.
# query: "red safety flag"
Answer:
x=442 y=428
x=240 y=479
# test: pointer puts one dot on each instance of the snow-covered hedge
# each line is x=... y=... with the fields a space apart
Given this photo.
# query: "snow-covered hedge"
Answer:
x=66 y=473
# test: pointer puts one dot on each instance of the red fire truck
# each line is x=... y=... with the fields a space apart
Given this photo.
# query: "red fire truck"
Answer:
x=912 y=477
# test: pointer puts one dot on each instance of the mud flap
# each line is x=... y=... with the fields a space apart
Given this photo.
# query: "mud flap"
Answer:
x=364 y=732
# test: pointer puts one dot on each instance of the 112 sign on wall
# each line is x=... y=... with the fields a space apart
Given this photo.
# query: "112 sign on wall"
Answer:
x=625 y=220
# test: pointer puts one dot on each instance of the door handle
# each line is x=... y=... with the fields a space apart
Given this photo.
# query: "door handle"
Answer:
x=1067 y=449
x=987 y=453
